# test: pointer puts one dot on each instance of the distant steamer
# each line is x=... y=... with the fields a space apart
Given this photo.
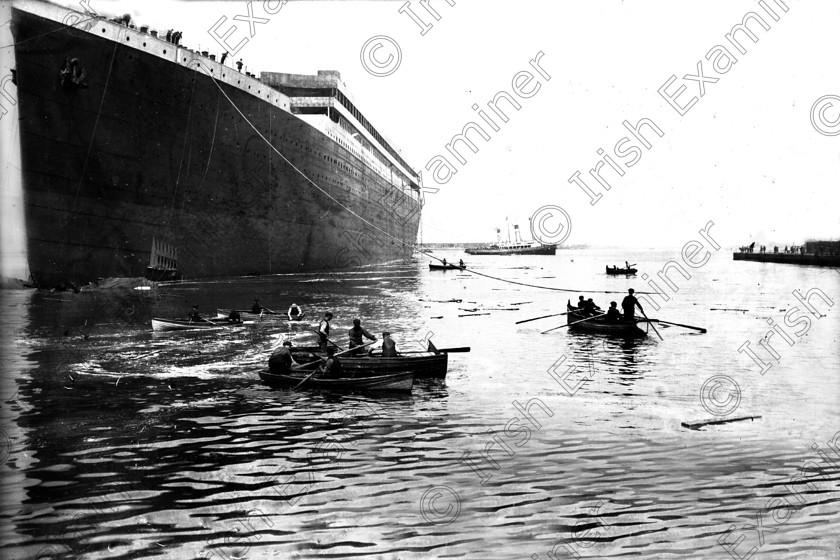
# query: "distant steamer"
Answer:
x=516 y=247
x=142 y=157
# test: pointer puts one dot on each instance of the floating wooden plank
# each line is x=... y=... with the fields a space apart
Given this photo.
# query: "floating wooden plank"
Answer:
x=698 y=425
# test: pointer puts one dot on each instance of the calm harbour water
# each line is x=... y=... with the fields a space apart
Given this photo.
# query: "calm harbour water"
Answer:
x=122 y=443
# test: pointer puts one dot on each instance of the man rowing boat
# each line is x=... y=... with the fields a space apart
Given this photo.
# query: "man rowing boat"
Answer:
x=281 y=360
x=613 y=314
x=389 y=347
x=294 y=312
x=256 y=308
x=589 y=308
x=356 y=335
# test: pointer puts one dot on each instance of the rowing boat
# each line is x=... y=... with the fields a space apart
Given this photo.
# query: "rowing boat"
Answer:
x=224 y=313
x=397 y=381
x=601 y=324
x=433 y=266
x=616 y=270
x=424 y=365
x=159 y=324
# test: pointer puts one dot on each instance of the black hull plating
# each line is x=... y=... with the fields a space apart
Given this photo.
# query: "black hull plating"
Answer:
x=154 y=149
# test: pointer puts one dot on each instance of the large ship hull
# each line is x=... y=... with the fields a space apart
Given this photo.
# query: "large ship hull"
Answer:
x=150 y=150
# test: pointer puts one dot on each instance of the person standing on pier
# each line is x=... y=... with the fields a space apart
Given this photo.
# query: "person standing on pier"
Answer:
x=356 y=333
x=324 y=330
x=628 y=305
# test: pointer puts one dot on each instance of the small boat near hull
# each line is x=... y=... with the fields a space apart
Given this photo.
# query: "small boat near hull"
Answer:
x=159 y=324
x=433 y=266
x=601 y=325
x=401 y=381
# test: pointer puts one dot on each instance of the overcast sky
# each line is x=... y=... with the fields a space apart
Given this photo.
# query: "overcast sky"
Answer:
x=745 y=156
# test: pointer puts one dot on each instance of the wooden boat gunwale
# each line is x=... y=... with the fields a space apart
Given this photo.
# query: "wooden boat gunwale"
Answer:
x=395 y=382
x=601 y=325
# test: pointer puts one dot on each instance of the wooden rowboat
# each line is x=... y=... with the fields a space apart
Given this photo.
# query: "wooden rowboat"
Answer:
x=615 y=270
x=399 y=381
x=601 y=324
x=159 y=324
x=433 y=266
x=223 y=314
x=424 y=365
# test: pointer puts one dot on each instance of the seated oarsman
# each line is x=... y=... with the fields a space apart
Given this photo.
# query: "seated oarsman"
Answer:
x=256 y=308
x=461 y=263
x=581 y=304
x=613 y=314
x=293 y=312
x=356 y=335
x=195 y=316
x=281 y=360
x=389 y=347
x=589 y=308
x=332 y=367
x=234 y=316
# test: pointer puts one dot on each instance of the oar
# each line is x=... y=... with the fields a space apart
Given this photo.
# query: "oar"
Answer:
x=321 y=360
x=574 y=323
x=648 y=320
x=701 y=329
x=328 y=338
x=449 y=350
x=543 y=317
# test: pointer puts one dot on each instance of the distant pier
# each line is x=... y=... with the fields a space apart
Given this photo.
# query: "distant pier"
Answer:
x=788 y=258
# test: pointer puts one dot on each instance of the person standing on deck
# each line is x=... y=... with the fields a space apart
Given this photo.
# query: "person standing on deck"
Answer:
x=389 y=347
x=629 y=303
x=356 y=333
x=324 y=330
x=281 y=360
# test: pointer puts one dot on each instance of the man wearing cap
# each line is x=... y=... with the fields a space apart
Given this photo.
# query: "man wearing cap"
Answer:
x=628 y=304
x=389 y=348
x=281 y=360
x=356 y=334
